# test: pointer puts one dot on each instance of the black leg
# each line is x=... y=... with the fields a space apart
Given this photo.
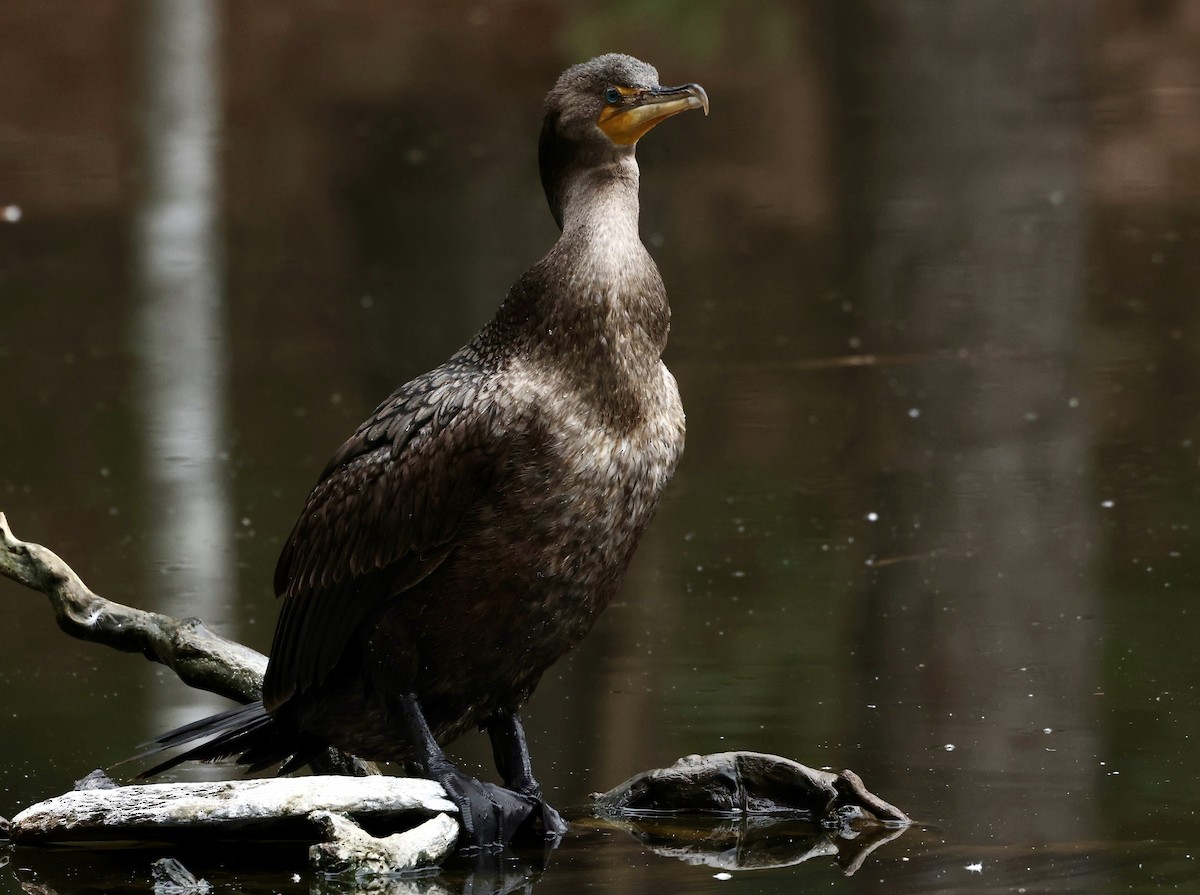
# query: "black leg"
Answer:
x=511 y=754
x=490 y=816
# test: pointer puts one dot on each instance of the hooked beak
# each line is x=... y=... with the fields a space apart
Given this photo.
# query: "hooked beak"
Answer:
x=641 y=109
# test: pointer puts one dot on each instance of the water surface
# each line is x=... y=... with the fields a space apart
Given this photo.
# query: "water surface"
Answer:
x=933 y=276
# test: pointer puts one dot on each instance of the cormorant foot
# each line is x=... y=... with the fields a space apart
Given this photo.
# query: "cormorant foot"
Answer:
x=491 y=816
x=549 y=820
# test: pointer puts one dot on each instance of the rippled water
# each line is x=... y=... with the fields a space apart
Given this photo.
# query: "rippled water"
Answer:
x=933 y=276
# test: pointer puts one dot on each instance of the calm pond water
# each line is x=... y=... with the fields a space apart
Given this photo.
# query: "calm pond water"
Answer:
x=934 y=274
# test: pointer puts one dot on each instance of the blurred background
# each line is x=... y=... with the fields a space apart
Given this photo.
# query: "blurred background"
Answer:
x=935 y=273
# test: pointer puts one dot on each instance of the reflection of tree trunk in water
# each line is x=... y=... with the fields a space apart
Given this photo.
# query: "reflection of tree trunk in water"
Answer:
x=986 y=634
x=181 y=339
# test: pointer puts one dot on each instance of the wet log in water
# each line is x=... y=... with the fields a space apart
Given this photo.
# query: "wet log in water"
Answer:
x=749 y=811
x=749 y=783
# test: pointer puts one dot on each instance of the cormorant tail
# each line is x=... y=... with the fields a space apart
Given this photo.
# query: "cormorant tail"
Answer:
x=247 y=732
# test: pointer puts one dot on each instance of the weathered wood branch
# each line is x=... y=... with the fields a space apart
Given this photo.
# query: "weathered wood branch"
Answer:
x=277 y=807
x=200 y=658
x=301 y=809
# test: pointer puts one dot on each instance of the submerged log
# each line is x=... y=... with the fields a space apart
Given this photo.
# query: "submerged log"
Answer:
x=753 y=842
x=750 y=810
x=749 y=783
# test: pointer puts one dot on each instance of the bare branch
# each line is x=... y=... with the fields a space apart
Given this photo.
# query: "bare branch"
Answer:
x=199 y=657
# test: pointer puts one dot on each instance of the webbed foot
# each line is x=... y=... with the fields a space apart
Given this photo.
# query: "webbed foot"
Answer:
x=546 y=819
x=490 y=815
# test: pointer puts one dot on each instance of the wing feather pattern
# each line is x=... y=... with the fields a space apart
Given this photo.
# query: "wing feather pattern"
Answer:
x=383 y=516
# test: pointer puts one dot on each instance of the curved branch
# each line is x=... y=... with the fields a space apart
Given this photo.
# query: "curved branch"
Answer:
x=199 y=657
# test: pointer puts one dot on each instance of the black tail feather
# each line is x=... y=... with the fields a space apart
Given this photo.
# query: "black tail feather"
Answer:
x=247 y=732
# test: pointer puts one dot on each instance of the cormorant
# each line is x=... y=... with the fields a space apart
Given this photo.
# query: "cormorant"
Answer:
x=470 y=532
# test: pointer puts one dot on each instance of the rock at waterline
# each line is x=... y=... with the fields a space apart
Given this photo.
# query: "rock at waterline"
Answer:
x=351 y=851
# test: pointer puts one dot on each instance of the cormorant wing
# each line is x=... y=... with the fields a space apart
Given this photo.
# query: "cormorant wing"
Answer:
x=382 y=517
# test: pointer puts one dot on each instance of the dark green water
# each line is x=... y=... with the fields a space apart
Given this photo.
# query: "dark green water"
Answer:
x=934 y=274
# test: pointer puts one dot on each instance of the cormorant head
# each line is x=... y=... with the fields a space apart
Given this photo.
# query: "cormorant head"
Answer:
x=597 y=112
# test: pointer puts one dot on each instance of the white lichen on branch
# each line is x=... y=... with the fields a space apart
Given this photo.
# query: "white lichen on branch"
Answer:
x=156 y=810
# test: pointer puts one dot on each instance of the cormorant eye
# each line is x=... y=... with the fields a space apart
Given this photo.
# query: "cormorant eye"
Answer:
x=612 y=96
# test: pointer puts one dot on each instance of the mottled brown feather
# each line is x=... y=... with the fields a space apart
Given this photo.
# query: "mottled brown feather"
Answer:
x=378 y=519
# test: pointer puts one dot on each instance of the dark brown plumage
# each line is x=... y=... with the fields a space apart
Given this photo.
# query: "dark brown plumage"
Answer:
x=470 y=532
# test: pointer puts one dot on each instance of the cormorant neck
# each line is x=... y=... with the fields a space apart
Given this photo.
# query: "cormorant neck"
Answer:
x=604 y=197
x=594 y=308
